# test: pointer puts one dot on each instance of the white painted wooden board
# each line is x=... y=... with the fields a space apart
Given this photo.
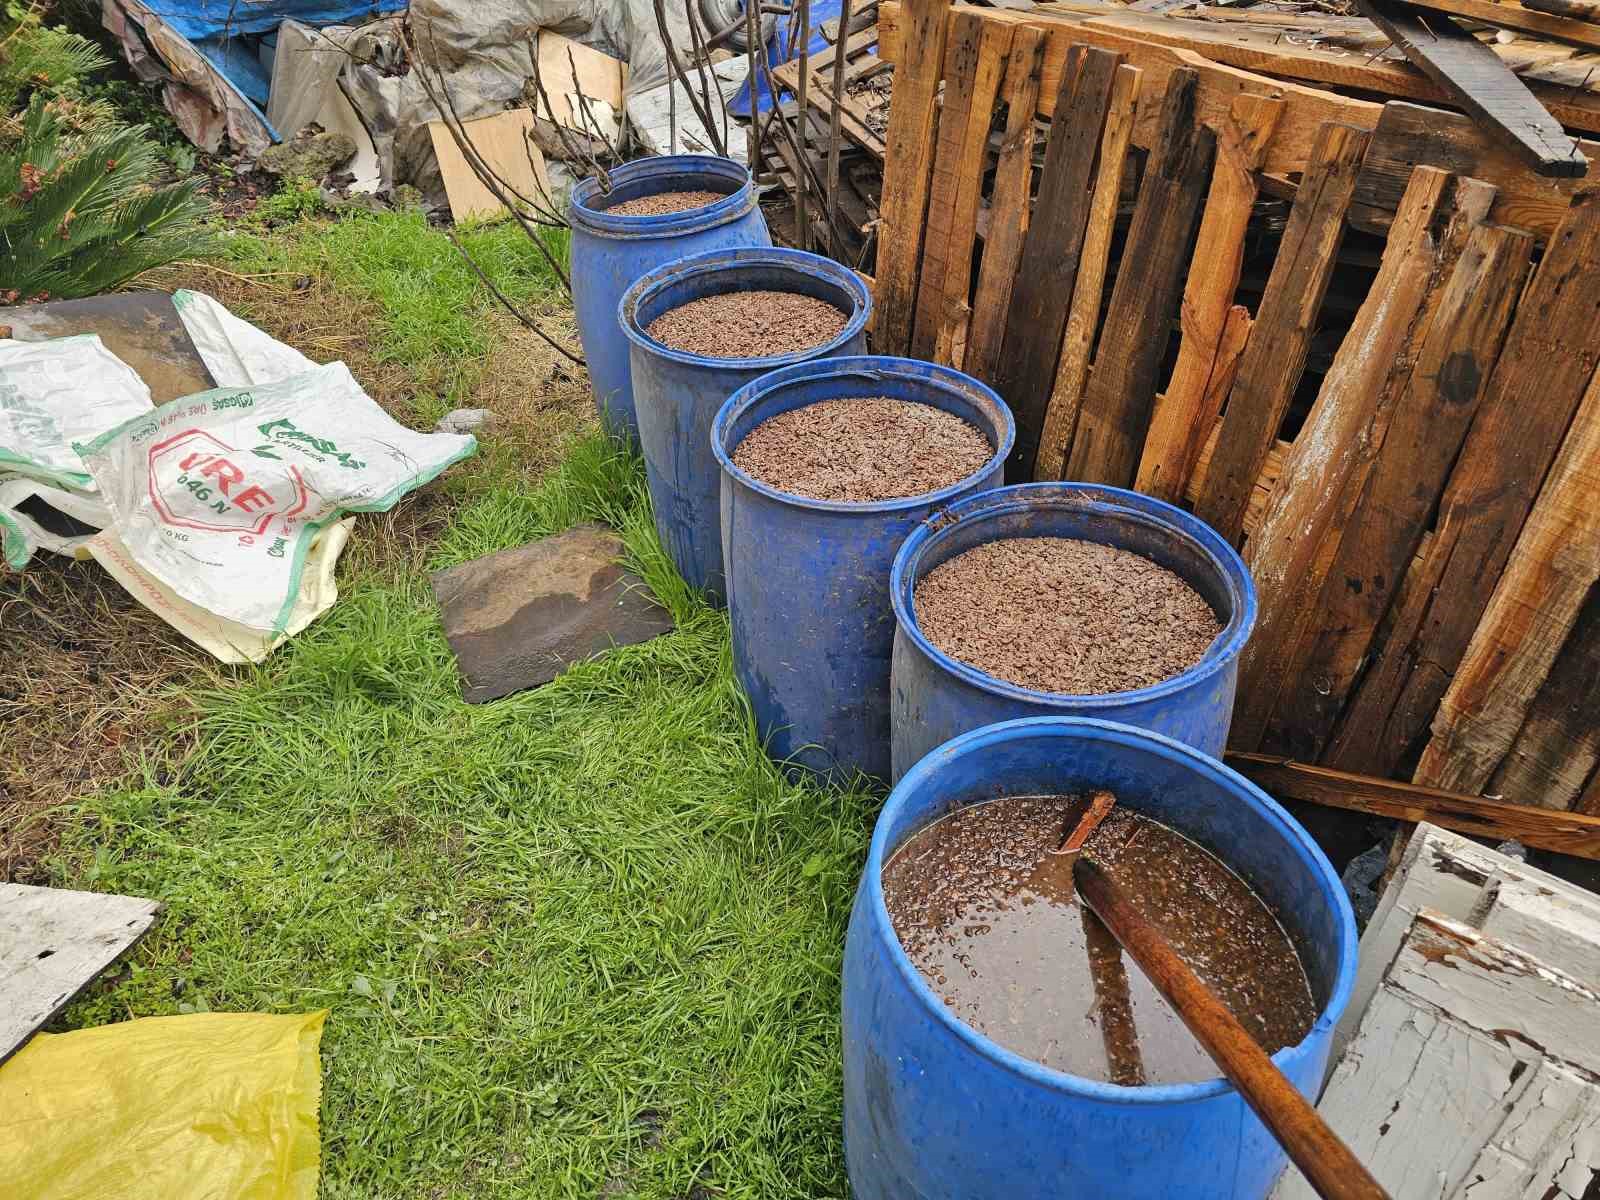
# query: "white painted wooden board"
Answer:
x=53 y=943
x=1473 y=1075
x=1442 y=871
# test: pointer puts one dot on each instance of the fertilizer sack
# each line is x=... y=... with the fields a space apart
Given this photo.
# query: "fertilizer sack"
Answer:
x=221 y=496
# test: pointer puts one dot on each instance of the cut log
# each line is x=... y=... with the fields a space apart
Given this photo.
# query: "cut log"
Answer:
x=1184 y=414
x=907 y=164
x=1481 y=84
x=1051 y=252
x=974 y=64
x=1083 y=319
x=1122 y=387
x=1538 y=381
x=1547 y=579
x=1008 y=208
x=1275 y=355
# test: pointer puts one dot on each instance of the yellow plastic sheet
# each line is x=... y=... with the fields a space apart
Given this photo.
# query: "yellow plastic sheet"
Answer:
x=214 y=1106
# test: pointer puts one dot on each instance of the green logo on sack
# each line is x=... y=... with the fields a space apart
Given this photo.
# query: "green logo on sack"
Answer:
x=284 y=432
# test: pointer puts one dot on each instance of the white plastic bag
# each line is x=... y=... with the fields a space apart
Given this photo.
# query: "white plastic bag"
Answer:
x=220 y=496
x=57 y=392
x=235 y=351
x=21 y=534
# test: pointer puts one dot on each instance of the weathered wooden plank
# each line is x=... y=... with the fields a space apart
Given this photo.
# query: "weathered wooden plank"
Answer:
x=1183 y=415
x=1267 y=53
x=1322 y=478
x=1538 y=381
x=973 y=66
x=1083 y=318
x=1564 y=832
x=1307 y=108
x=1471 y=1074
x=1008 y=207
x=53 y=943
x=1547 y=579
x=1558 y=747
x=1292 y=548
x=1275 y=355
x=1508 y=14
x=1122 y=386
x=1051 y=252
x=1481 y=84
x=1409 y=135
x=1525 y=200
x=907 y=164
x=1381 y=538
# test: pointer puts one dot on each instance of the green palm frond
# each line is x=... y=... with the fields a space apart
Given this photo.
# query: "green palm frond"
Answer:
x=81 y=215
x=41 y=59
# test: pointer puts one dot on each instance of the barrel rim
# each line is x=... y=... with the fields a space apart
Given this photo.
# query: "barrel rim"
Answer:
x=736 y=258
x=865 y=365
x=597 y=222
x=1220 y=655
x=1094 y=728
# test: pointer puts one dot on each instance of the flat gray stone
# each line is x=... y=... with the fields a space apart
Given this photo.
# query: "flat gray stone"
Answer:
x=518 y=618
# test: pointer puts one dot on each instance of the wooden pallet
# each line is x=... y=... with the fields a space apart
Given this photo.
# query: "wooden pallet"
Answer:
x=1420 y=521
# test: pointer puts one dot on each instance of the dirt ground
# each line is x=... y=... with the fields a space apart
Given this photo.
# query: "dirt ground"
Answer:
x=88 y=676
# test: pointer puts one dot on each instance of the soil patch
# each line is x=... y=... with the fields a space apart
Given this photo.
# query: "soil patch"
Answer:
x=876 y=448
x=1021 y=959
x=749 y=325
x=662 y=203
x=1066 y=616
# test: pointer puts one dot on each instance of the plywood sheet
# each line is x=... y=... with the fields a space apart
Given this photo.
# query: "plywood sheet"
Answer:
x=504 y=145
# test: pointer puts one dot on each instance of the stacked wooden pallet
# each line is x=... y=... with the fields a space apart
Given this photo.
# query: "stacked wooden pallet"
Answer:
x=1421 y=527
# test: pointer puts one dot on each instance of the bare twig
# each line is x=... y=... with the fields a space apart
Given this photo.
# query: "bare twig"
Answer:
x=505 y=302
x=802 y=226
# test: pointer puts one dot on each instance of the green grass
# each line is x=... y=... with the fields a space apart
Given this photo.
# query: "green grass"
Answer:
x=431 y=300
x=583 y=938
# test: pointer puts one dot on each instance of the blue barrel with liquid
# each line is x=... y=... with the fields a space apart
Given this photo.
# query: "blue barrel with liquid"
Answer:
x=935 y=1110
x=808 y=580
x=609 y=252
x=934 y=697
x=677 y=394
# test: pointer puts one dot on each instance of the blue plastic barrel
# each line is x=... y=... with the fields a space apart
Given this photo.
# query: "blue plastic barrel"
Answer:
x=610 y=252
x=808 y=580
x=935 y=1110
x=677 y=395
x=935 y=697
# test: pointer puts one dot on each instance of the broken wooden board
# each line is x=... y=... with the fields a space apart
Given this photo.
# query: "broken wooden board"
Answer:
x=53 y=943
x=1480 y=83
x=518 y=618
x=1408 y=135
x=908 y=164
x=1051 y=252
x=1508 y=14
x=1540 y=378
x=1577 y=834
x=1439 y=870
x=504 y=143
x=1122 y=384
x=1275 y=355
x=1547 y=580
x=1407 y=130
x=1472 y=1074
x=1083 y=318
x=143 y=329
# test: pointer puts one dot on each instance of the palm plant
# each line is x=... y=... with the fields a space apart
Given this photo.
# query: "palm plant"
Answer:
x=80 y=214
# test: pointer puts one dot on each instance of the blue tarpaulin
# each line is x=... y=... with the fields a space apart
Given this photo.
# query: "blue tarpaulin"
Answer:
x=198 y=20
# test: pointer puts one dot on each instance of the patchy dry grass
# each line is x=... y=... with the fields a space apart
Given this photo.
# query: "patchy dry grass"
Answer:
x=88 y=674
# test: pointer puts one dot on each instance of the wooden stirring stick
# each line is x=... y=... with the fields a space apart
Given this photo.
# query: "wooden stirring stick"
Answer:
x=1321 y=1155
